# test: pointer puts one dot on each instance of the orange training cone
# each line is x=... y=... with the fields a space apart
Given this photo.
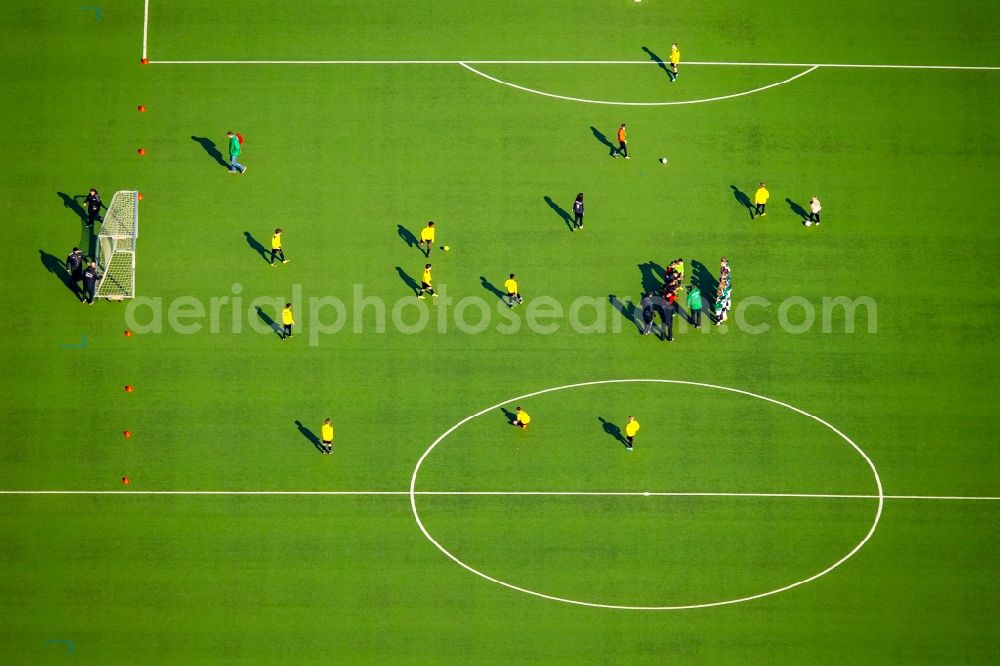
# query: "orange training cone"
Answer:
x=126 y=480
x=128 y=388
x=142 y=151
x=141 y=108
x=128 y=434
x=145 y=61
x=128 y=333
x=141 y=197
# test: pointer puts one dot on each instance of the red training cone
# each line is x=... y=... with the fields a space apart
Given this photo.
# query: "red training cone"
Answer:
x=128 y=388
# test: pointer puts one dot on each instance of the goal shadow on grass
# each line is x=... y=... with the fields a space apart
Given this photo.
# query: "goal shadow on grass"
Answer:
x=57 y=267
x=210 y=148
x=310 y=435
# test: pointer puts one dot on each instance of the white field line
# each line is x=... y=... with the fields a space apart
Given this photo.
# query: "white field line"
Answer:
x=554 y=493
x=566 y=62
x=145 y=27
x=613 y=103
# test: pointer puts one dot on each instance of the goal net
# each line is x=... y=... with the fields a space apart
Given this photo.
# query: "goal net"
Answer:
x=116 y=247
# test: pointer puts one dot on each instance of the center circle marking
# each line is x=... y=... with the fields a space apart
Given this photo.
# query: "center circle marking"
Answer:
x=578 y=602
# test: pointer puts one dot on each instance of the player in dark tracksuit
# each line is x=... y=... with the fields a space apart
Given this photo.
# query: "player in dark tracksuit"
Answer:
x=647 y=312
x=667 y=311
x=74 y=265
x=93 y=207
x=90 y=278
x=578 y=212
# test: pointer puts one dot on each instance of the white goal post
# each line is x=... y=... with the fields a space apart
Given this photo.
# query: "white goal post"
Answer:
x=116 y=247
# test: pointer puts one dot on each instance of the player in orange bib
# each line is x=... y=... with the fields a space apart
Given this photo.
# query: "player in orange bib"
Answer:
x=622 y=142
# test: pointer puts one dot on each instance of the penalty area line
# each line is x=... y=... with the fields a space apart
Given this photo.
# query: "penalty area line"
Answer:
x=515 y=493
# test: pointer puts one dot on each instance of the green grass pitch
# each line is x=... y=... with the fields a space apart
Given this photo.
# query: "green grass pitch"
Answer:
x=746 y=496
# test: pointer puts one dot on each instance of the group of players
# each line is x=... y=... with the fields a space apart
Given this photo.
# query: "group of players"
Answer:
x=426 y=242
x=667 y=307
x=80 y=270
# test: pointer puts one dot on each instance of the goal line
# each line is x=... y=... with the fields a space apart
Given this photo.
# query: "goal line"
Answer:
x=832 y=65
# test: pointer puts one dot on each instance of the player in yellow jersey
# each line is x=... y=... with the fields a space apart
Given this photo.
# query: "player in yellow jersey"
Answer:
x=287 y=321
x=513 y=295
x=631 y=428
x=326 y=433
x=425 y=283
x=427 y=238
x=521 y=418
x=760 y=198
x=276 y=250
x=675 y=59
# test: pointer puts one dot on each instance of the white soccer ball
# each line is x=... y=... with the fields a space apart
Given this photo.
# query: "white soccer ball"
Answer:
x=808 y=223
x=663 y=160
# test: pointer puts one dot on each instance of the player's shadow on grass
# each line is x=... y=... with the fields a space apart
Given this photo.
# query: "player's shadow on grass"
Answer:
x=659 y=61
x=57 y=267
x=210 y=148
x=603 y=139
x=702 y=278
x=256 y=246
x=88 y=241
x=311 y=436
x=652 y=276
x=264 y=317
x=490 y=287
x=627 y=310
x=560 y=211
x=743 y=200
x=409 y=281
x=613 y=430
x=509 y=415
x=406 y=235
x=74 y=205
x=797 y=209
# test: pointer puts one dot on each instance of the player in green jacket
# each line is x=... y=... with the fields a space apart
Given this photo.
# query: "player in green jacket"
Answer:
x=234 y=153
x=694 y=305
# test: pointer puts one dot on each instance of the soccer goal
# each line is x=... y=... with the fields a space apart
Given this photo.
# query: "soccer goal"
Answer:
x=116 y=247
